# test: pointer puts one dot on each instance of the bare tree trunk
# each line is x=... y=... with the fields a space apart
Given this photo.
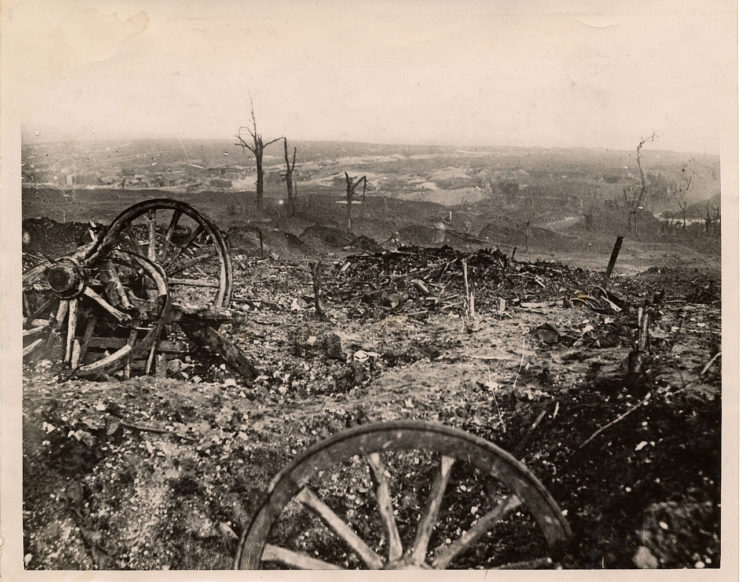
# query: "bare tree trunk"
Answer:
x=350 y=185
x=290 y=187
x=259 y=183
x=257 y=146
x=642 y=193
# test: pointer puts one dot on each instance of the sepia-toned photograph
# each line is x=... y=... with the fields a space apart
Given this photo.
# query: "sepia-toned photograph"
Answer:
x=371 y=285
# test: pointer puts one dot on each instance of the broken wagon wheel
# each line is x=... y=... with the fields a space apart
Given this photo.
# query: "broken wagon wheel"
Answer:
x=104 y=313
x=183 y=241
x=426 y=479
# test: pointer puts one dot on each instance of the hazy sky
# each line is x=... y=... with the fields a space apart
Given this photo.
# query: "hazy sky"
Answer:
x=405 y=71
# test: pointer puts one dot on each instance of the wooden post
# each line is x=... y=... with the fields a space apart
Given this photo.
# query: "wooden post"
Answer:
x=613 y=257
x=318 y=306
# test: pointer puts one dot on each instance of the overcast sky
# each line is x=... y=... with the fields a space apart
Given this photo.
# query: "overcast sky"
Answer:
x=404 y=71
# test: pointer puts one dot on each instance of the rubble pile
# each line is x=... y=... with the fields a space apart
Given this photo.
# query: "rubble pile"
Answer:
x=434 y=279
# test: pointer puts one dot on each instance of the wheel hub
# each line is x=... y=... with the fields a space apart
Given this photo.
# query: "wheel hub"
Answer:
x=66 y=278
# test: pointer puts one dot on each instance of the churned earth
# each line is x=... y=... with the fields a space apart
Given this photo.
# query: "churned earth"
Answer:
x=152 y=473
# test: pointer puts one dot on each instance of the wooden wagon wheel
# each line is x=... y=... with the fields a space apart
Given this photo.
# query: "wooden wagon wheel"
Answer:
x=183 y=241
x=503 y=491
x=104 y=312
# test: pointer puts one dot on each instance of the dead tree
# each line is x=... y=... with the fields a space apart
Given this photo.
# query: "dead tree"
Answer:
x=350 y=185
x=257 y=146
x=642 y=193
x=290 y=185
x=682 y=202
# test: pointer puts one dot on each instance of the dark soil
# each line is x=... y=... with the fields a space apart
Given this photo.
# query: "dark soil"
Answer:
x=165 y=473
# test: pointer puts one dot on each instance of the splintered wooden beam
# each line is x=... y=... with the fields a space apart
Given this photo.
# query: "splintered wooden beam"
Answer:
x=165 y=346
x=233 y=357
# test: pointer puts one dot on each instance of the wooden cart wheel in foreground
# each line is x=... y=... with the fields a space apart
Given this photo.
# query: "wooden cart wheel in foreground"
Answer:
x=183 y=241
x=389 y=496
x=100 y=314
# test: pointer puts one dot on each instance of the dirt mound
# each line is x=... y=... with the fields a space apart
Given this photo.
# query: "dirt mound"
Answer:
x=327 y=236
x=420 y=235
x=54 y=239
x=520 y=235
x=364 y=243
x=249 y=239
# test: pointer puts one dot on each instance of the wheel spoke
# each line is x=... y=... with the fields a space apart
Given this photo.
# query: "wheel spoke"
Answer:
x=71 y=328
x=118 y=285
x=61 y=313
x=446 y=554
x=119 y=315
x=385 y=507
x=152 y=247
x=74 y=360
x=132 y=239
x=309 y=499
x=32 y=275
x=162 y=255
x=86 y=335
x=150 y=359
x=293 y=559
x=131 y=341
x=32 y=346
x=188 y=264
x=429 y=517
x=41 y=309
x=35 y=331
x=193 y=236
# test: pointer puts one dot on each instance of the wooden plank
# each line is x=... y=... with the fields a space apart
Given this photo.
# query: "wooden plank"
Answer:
x=71 y=328
x=164 y=346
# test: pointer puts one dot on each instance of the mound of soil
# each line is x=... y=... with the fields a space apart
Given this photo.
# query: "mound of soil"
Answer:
x=327 y=236
x=511 y=233
x=419 y=235
x=247 y=239
x=54 y=239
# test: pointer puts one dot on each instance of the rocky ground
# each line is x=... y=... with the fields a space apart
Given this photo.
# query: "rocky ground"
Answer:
x=165 y=473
